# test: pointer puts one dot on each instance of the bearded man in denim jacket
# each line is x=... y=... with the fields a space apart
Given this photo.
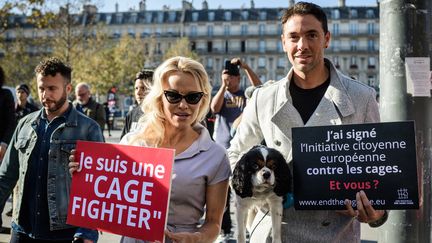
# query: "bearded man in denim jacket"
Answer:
x=37 y=161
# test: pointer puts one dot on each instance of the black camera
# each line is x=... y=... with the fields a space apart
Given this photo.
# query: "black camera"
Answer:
x=232 y=69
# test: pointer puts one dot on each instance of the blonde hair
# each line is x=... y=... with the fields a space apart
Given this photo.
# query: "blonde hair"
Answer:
x=152 y=122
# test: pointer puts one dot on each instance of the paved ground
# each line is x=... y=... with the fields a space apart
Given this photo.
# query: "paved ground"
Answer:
x=369 y=235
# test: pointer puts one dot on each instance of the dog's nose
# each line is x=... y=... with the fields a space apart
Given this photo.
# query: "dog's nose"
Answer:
x=266 y=175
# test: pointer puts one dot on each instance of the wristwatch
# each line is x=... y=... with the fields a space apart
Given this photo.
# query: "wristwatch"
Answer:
x=380 y=221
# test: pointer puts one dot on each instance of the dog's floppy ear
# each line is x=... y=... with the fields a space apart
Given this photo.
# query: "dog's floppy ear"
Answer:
x=242 y=178
x=283 y=176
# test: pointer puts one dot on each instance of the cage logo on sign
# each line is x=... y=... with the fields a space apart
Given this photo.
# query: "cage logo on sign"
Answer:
x=402 y=193
x=403 y=197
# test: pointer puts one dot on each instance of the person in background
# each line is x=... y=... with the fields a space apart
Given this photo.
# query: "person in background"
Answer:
x=227 y=105
x=23 y=107
x=143 y=81
x=173 y=110
x=85 y=103
x=36 y=161
x=313 y=93
x=7 y=126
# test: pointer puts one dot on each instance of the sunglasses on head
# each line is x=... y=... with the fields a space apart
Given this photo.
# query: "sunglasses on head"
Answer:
x=174 y=97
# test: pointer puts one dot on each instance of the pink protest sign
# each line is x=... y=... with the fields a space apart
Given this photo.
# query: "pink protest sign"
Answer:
x=121 y=189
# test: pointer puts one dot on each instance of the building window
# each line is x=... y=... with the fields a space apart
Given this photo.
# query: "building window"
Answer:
x=335 y=14
x=195 y=16
x=117 y=33
x=371 y=28
x=228 y=16
x=279 y=46
x=372 y=80
x=209 y=62
x=245 y=15
x=170 y=31
x=243 y=46
x=335 y=45
x=353 y=62
x=131 y=32
x=193 y=45
x=262 y=46
x=335 y=29
x=261 y=62
x=371 y=45
x=133 y=18
x=148 y=17
x=159 y=49
x=244 y=29
x=158 y=31
x=119 y=18
x=261 y=29
x=146 y=48
x=353 y=13
x=354 y=28
x=108 y=19
x=354 y=44
x=371 y=62
x=281 y=62
x=226 y=30
x=263 y=15
x=160 y=17
x=211 y=16
x=226 y=46
x=336 y=61
x=370 y=14
x=172 y=16
x=209 y=46
x=252 y=62
x=193 y=31
x=210 y=31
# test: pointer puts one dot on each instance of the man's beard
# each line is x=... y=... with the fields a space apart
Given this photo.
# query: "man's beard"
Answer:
x=57 y=104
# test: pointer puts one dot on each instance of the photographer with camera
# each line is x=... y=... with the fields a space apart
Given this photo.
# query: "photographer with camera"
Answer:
x=227 y=105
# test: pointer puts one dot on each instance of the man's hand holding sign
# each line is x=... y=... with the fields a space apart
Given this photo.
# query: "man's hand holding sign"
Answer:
x=127 y=192
x=335 y=167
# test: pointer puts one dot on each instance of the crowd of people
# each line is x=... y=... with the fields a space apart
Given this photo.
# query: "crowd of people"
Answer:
x=172 y=103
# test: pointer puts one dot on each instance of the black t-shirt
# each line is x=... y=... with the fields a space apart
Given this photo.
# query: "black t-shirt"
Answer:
x=306 y=100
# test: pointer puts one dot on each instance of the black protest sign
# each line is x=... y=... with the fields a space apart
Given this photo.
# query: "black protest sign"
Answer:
x=333 y=163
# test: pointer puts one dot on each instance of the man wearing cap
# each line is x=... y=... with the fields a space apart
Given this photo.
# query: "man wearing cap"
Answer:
x=228 y=104
x=23 y=107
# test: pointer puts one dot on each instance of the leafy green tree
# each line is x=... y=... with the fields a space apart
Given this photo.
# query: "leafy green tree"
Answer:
x=181 y=48
x=105 y=63
x=35 y=13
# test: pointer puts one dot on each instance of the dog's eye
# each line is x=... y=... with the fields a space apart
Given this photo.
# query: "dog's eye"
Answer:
x=255 y=166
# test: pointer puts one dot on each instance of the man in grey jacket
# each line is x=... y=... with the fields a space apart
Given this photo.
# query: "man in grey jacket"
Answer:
x=36 y=161
x=313 y=93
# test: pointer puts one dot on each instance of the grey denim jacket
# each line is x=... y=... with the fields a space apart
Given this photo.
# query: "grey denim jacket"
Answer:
x=15 y=162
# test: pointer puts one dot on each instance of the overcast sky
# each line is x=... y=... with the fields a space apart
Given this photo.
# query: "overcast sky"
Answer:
x=125 y=5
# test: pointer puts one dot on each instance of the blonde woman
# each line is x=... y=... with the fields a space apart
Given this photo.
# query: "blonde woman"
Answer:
x=178 y=100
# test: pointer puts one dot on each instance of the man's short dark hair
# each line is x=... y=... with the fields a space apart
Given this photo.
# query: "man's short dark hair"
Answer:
x=305 y=8
x=145 y=75
x=52 y=66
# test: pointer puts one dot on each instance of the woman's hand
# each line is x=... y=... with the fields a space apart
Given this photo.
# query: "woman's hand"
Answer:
x=365 y=213
x=73 y=165
x=184 y=237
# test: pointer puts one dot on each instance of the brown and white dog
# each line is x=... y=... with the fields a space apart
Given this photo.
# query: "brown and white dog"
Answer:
x=260 y=179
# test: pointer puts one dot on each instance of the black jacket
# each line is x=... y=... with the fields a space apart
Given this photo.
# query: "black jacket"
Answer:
x=132 y=117
x=7 y=115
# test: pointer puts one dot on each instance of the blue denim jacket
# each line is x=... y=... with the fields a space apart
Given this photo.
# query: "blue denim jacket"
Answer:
x=15 y=162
